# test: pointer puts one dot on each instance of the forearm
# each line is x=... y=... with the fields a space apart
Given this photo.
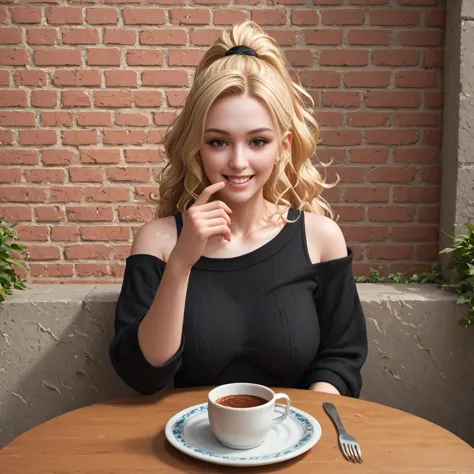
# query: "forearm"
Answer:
x=160 y=331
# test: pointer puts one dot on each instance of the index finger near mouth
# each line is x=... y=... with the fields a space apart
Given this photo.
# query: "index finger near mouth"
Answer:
x=208 y=192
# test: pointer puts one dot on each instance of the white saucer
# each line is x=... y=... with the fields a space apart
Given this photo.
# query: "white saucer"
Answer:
x=190 y=432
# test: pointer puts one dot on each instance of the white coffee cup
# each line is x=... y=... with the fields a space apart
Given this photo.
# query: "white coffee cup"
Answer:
x=244 y=428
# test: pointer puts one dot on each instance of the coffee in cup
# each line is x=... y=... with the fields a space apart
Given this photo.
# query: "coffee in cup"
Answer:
x=241 y=401
x=242 y=414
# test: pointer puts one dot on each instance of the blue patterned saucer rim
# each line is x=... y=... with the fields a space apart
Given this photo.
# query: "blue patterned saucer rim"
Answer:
x=174 y=432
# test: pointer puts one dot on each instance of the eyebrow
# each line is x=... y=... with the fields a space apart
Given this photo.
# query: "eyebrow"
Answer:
x=251 y=132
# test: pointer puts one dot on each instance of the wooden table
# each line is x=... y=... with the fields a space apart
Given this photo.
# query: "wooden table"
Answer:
x=127 y=436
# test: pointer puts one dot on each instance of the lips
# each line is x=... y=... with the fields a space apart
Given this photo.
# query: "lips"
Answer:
x=238 y=182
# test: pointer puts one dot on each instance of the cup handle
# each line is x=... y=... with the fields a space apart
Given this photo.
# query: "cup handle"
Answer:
x=282 y=417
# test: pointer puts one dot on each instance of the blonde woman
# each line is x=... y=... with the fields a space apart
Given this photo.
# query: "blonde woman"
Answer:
x=243 y=275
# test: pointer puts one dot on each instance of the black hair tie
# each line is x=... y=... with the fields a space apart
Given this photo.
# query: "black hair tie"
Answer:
x=242 y=50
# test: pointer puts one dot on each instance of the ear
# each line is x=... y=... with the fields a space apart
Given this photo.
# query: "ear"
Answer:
x=286 y=142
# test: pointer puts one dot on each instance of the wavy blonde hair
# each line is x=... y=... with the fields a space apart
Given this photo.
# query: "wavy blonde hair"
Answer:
x=295 y=182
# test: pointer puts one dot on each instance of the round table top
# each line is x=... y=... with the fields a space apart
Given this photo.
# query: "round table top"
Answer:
x=127 y=435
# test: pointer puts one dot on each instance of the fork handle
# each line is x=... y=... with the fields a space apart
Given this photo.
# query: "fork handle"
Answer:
x=330 y=409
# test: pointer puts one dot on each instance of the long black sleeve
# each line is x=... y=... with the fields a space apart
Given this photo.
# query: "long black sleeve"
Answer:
x=343 y=344
x=141 y=280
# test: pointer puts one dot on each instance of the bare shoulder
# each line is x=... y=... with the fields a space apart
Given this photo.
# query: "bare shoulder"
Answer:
x=157 y=237
x=324 y=238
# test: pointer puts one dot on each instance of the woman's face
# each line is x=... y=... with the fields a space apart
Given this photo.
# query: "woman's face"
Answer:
x=240 y=146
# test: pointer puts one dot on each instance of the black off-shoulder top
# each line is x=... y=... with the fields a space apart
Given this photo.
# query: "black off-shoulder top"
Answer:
x=269 y=317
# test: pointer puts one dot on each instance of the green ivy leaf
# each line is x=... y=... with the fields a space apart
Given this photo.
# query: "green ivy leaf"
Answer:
x=9 y=280
x=462 y=263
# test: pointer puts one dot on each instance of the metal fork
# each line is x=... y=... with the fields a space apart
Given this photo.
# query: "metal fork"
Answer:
x=349 y=446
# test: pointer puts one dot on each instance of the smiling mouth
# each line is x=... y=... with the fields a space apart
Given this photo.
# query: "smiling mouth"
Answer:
x=238 y=180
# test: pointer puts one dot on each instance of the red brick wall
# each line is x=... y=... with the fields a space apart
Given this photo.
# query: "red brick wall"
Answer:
x=86 y=91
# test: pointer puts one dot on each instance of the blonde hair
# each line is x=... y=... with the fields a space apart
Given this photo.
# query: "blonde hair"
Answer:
x=295 y=182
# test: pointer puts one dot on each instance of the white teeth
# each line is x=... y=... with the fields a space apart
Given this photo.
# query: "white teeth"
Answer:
x=240 y=180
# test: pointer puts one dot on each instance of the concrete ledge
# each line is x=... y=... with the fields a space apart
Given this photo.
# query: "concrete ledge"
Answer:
x=54 y=354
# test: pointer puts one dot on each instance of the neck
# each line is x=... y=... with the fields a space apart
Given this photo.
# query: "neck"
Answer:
x=251 y=215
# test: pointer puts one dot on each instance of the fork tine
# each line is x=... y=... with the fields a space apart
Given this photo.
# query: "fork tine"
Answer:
x=356 y=454
x=345 y=452
x=347 y=448
x=353 y=452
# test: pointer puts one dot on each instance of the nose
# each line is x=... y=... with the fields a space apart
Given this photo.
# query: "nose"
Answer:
x=238 y=158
